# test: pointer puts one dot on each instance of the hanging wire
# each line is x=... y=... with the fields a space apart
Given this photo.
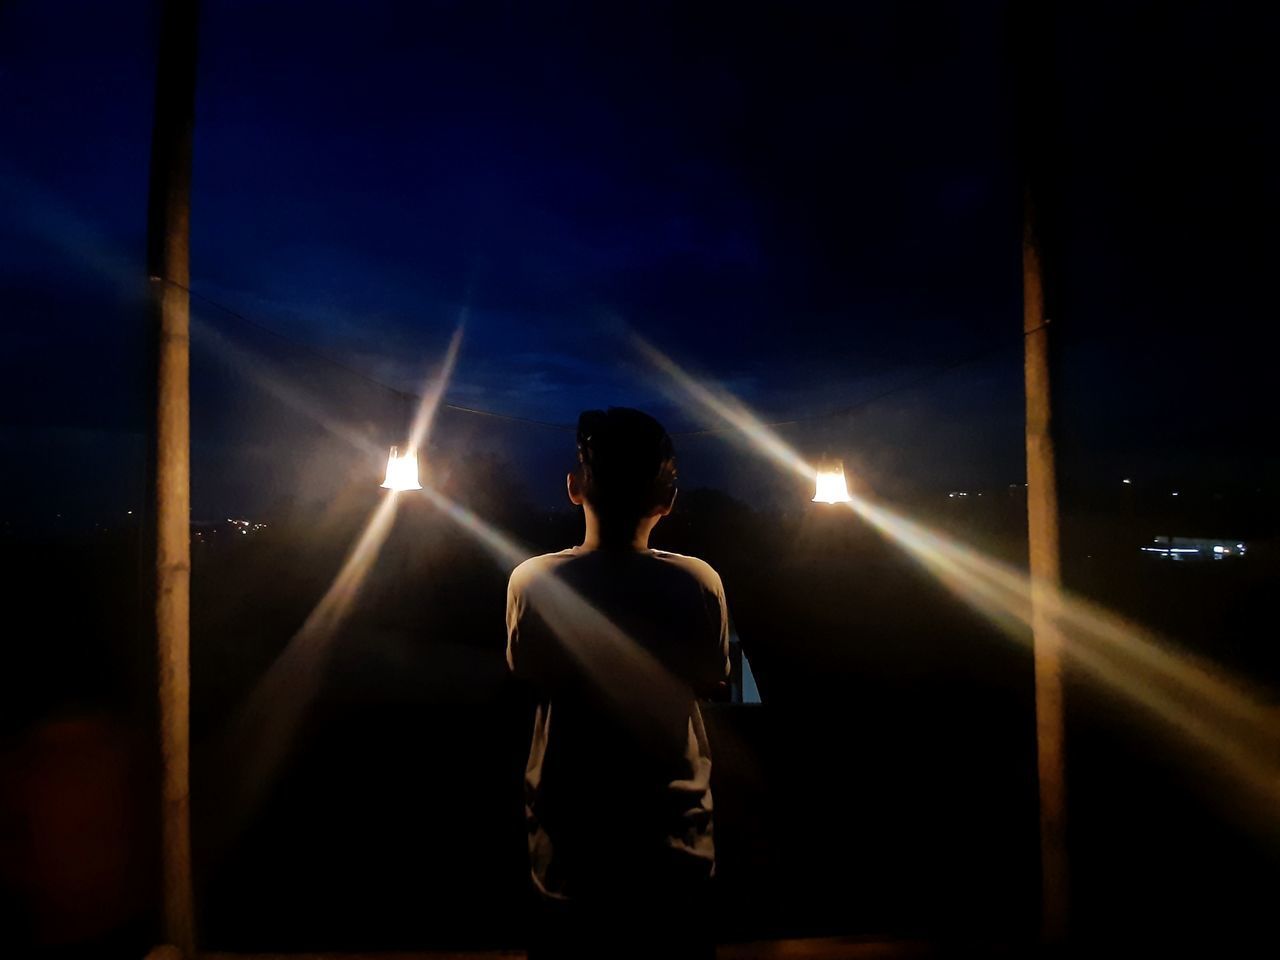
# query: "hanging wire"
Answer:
x=353 y=371
x=876 y=397
x=550 y=425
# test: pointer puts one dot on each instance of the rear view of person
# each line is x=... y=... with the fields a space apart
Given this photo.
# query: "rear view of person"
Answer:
x=618 y=642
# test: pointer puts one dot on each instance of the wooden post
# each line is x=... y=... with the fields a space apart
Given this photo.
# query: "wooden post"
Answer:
x=1046 y=579
x=1032 y=53
x=168 y=226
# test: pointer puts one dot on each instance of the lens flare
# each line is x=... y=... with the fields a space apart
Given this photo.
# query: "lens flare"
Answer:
x=646 y=696
x=1231 y=725
x=730 y=409
x=1219 y=713
x=262 y=730
x=632 y=678
x=278 y=384
x=81 y=241
x=264 y=727
x=625 y=671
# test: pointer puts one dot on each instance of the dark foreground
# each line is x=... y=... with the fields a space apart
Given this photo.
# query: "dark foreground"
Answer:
x=881 y=798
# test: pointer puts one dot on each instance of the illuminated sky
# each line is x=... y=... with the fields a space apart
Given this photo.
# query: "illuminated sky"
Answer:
x=807 y=206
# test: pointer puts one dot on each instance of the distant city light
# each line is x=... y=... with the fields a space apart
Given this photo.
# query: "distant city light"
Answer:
x=246 y=527
x=1195 y=548
x=830 y=486
x=402 y=471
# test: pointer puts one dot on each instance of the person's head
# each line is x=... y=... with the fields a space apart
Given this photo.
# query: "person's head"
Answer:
x=626 y=474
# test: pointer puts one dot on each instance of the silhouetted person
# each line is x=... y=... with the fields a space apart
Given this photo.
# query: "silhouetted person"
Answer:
x=619 y=641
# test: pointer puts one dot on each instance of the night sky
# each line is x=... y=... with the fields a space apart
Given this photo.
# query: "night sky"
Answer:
x=807 y=203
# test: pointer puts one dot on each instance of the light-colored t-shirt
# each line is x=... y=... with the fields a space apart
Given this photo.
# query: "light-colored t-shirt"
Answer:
x=618 y=645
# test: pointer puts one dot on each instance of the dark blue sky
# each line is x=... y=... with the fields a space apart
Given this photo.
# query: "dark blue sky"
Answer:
x=808 y=203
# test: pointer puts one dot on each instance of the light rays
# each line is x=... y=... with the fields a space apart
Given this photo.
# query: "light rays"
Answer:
x=434 y=394
x=262 y=731
x=729 y=409
x=1196 y=703
x=1202 y=703
x=79 y=240
x=264 y=727
x=275 y=382
x=628 y=674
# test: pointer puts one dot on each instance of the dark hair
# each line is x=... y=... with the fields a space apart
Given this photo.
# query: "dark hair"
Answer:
x=626 y=463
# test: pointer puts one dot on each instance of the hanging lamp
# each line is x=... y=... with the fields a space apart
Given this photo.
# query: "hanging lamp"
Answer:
x=402 y=471
x=830 y=485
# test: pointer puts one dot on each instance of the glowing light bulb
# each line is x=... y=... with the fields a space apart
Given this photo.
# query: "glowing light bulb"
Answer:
x=831 y=486
x=402 y=471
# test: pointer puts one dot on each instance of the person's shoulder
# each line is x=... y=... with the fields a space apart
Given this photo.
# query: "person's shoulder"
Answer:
x=693 y=567
x=536 y=567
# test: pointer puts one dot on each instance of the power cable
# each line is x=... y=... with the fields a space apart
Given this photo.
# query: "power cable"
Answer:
x=530 y=421
x=353 y=371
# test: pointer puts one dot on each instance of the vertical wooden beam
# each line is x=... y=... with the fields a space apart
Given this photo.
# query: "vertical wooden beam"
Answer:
x=168 y=228
x=1032 y=54
x=1046 y=580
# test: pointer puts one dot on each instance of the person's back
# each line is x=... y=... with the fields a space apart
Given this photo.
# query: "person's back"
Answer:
x=618 y=641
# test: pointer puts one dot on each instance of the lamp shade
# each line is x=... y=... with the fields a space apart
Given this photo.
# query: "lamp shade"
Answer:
x=830 y=486
x=402 y=471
